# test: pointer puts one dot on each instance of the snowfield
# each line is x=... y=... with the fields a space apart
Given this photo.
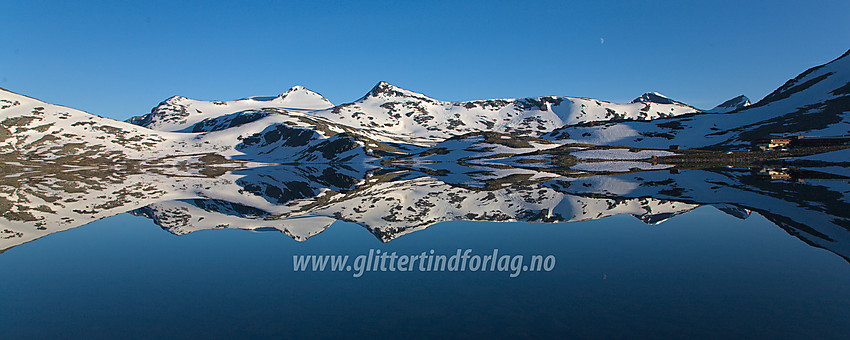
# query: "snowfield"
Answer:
x=815 y=103
x=620 y=154
x=614 y=166
x=396 y=161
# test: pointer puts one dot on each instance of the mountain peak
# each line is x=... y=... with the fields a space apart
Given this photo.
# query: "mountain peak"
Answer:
x=301 y=97
x=654 y=97
x=299 y=89
x=295 y=88
x=174 y=99
x=386 y=90
x=730 y=105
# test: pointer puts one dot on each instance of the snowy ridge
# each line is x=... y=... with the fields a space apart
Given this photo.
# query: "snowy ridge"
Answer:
x=815 y=103
x=730 y=105
x=424 y=120
x=291 y=128
x=396 y=161
x=44 y=131
x=181 y=114
x=300 y=126
x=50 y=132
x=657 y=98
x=291 y=137
x=388 y=113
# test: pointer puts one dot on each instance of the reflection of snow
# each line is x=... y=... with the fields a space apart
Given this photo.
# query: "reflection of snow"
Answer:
x=620 y=154
x=615 y=166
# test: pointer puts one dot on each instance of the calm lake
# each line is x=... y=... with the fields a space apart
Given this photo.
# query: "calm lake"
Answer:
x=696 y=254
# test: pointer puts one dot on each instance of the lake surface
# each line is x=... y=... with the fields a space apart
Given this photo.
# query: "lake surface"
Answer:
x=691 y=254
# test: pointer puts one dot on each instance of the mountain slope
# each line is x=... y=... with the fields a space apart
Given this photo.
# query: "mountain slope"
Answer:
x=33 y=130
x=424 y=120
x=815 y=103
x=657 y=98
x=730 y=105
x=292 y=137
x=181 y=114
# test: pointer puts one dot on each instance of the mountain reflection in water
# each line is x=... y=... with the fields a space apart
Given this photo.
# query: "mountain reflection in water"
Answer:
x=302 y=201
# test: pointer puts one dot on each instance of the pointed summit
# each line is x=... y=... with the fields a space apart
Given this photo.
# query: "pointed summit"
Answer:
x=654 y=97
x=174 y=100
x=302 y=98
x=293 y=89
x=730 y=105
x=386 y=90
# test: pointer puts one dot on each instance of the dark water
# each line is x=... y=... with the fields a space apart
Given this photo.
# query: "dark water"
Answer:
x=701 y=274
x=734 y=255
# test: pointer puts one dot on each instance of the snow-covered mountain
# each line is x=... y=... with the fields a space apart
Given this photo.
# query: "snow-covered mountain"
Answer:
x=33 y=130
x=396 y=161
x=391 y=114
x=298 y=126
x=301 y=126
x=657 y=98
x=424 y=120
x=730 y=105
x=815 y=103
x=181 y=114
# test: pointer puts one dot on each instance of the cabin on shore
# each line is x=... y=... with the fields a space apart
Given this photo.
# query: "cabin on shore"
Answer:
x=768 y=144
x=783 y=143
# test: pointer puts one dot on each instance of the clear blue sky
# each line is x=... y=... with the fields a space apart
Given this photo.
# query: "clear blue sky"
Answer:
x=119 y=59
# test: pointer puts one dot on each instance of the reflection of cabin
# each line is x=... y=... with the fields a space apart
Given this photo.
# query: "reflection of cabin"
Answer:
x=795 y=175
x=771 y=173
x=771 y=144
